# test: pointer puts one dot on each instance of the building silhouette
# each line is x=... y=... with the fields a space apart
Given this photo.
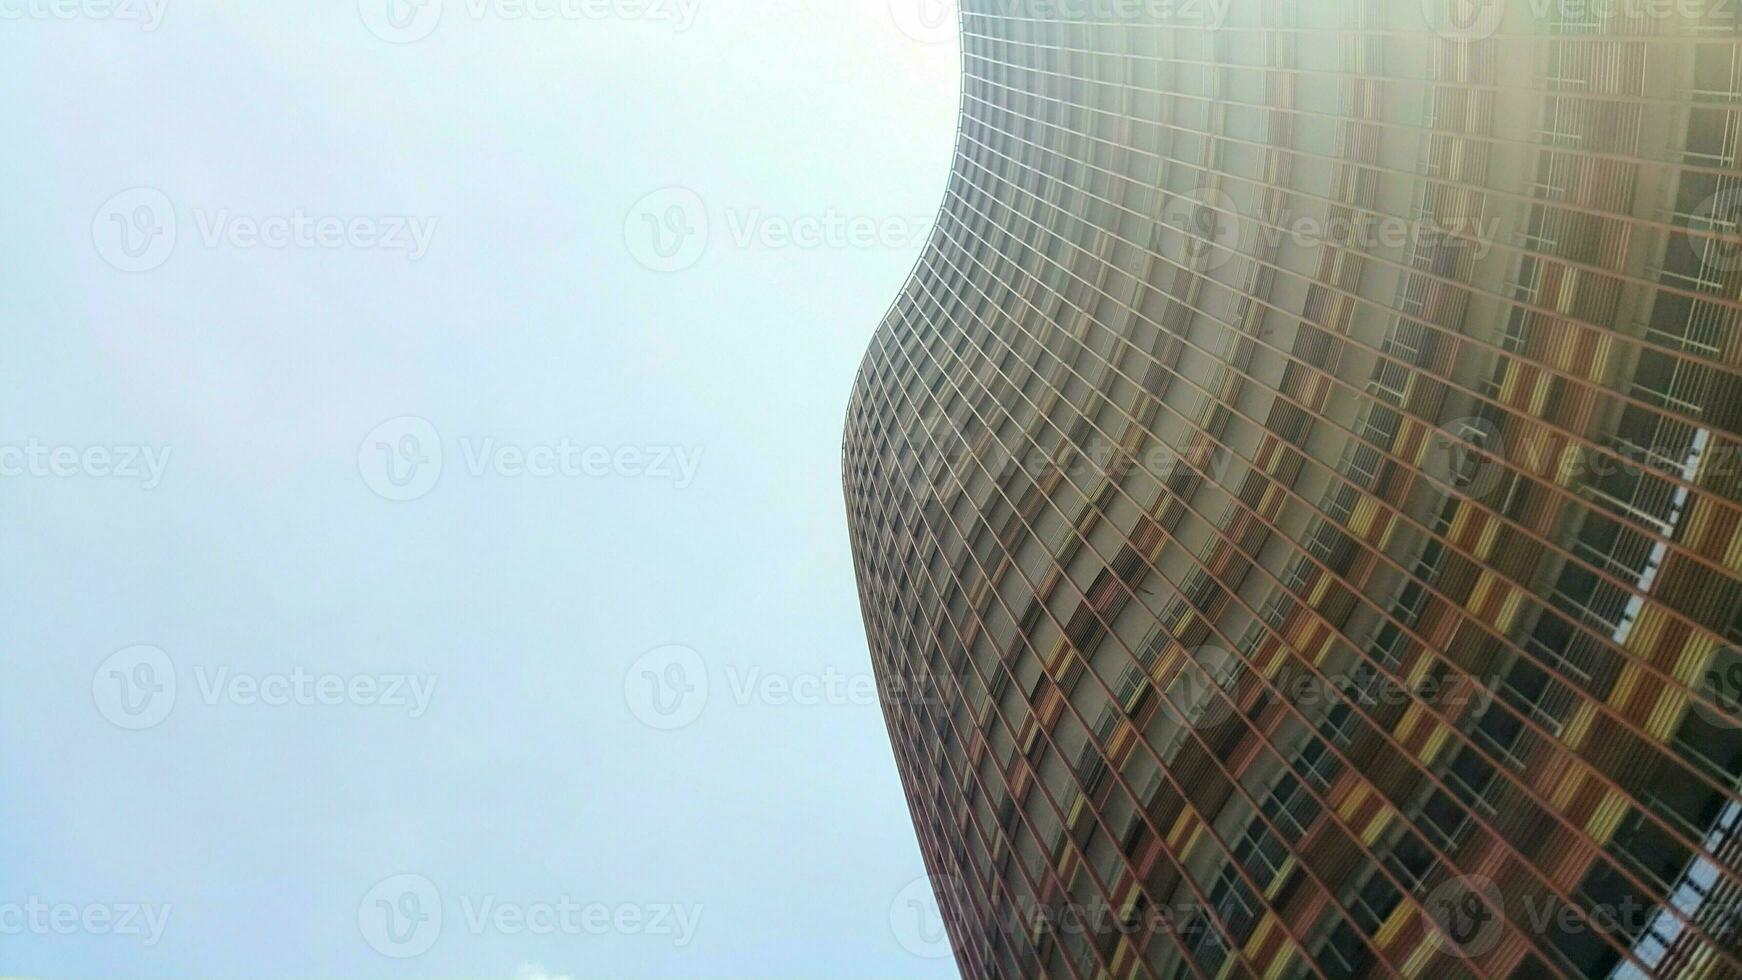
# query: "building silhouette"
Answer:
x=1296 y=501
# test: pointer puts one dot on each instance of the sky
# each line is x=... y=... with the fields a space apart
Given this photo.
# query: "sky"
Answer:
x=420 y=485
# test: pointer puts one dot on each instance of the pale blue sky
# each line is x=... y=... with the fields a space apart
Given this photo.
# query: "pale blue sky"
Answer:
x=447 y=687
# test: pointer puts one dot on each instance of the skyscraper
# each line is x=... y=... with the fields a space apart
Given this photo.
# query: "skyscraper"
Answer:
x=1302 y=473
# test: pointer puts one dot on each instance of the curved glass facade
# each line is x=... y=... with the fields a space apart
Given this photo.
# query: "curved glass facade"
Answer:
x=1297 y=501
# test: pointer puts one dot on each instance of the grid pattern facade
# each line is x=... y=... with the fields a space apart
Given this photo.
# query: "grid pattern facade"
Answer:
x=1297 y=498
